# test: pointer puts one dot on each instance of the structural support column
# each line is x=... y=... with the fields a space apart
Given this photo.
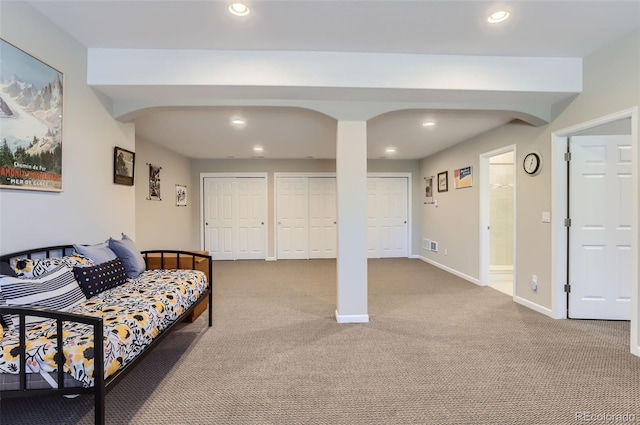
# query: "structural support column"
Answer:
x=351 y=184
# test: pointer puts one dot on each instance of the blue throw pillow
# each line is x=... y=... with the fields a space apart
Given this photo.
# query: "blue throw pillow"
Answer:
x=95 y=279
x=100 y=253
x=129 y=253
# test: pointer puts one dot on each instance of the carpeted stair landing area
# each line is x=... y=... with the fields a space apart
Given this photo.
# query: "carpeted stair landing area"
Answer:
x=437 y=350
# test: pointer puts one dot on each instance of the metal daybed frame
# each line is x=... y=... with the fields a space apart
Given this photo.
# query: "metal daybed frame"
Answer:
x=101 y=385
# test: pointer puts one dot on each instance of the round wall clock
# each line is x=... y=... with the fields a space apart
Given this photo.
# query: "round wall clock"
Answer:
x=532 y=163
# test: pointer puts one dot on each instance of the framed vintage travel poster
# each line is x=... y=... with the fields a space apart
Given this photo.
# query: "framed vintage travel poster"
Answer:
x=463 y=177
x=30 y=122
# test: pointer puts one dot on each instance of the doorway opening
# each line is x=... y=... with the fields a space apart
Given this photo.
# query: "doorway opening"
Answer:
x=497 y=221
x=599 y=228
x=560 y=248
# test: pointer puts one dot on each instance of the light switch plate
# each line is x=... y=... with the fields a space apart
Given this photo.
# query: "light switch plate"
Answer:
x=546 y=217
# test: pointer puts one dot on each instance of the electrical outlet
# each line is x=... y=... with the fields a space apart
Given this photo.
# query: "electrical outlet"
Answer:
x=534 y=283
x=445 y=251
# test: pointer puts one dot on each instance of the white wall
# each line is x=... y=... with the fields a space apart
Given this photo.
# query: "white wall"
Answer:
x=611 y=84
x=162 y=224
x=91 y=208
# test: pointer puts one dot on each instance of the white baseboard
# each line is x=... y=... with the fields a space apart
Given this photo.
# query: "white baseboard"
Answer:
x=415 y=256
x=270 y=259
x=352 y=318
x=533 y=306
x=450 y=270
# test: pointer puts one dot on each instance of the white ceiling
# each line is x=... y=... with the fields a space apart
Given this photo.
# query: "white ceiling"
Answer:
x=537 y=28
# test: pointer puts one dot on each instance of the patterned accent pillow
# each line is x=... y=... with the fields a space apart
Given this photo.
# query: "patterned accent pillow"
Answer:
x=28 y=268
x=95 y=279
x=56 y=290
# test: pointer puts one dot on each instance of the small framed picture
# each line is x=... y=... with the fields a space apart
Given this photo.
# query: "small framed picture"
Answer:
x=443 y=181
x=181 y=195
x=154 y=183
x=123 y=166
x=428 y=190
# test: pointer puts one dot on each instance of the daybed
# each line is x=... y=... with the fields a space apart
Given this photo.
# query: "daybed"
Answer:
x=129 y=318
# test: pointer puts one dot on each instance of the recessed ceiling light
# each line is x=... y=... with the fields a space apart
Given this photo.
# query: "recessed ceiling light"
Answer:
x=428 y=124
x=258 y=149
x=499 y=16
x=239 y=9
x=390 y=151
x=238 y=121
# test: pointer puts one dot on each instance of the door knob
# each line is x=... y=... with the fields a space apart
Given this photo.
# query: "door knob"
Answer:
x=206 y=224
x=262 y=223
x=279 y=223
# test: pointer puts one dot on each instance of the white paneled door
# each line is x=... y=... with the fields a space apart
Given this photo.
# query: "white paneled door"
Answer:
x=218 y=217
x=250 y=220
x=234 y=217
x=322 y=217
x=292 y=218
x=387 y=213
x=600 y=262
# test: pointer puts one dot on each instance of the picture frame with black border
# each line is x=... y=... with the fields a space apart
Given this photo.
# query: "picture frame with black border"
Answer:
x=123 y=166
x=443 y=181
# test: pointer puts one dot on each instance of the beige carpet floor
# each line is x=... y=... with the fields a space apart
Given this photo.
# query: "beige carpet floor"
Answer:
x=438 y=350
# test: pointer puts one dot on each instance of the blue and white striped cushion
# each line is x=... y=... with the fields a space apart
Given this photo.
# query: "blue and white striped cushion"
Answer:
x=56 y=290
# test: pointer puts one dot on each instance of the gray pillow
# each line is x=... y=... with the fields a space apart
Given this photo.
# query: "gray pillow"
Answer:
x=129 y=254
x=100 y=253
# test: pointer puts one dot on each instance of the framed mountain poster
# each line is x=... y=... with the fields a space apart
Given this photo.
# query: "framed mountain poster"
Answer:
x=30 y=122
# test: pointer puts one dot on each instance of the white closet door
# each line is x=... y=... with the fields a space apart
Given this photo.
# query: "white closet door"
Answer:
x=322 y=217
x=292 y=218
x=219 y=218
x=600 y=262
x=250 y=220
x=392 y=217
x=387 y=212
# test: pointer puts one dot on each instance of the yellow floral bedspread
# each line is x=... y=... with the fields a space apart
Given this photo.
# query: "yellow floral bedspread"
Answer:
x=134 y=314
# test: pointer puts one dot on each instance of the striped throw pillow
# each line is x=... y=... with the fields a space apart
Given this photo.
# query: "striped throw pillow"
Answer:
x=6 y=319
x=56 y=290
